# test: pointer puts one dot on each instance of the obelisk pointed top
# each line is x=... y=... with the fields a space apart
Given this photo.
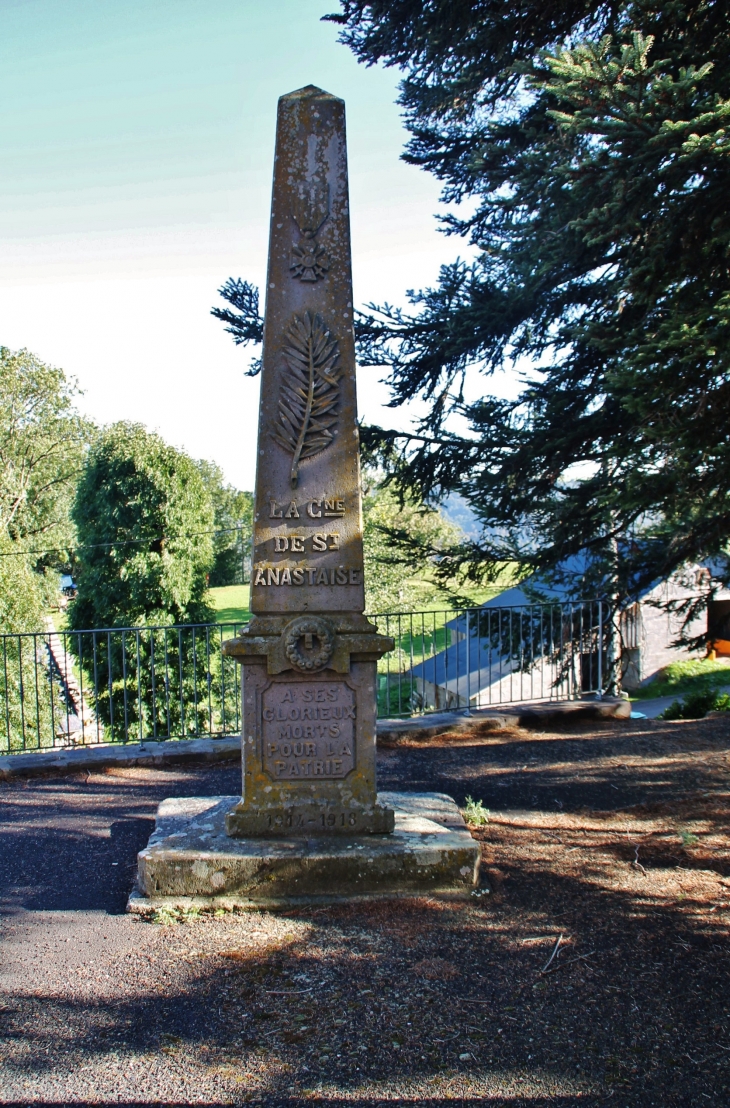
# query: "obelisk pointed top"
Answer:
x=309 y=92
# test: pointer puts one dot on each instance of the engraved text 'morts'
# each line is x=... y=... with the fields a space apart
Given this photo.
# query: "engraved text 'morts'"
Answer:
x=308 y=730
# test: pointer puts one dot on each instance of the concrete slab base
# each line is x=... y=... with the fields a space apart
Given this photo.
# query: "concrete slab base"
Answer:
x=190 y=862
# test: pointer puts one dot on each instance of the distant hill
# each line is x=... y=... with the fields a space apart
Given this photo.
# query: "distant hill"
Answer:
x=457 y=511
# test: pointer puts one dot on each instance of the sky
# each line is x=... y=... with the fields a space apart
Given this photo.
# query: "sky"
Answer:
x=138 y=142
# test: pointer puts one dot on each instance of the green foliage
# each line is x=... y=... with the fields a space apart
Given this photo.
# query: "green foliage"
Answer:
x=474 y=812
x=31 y=701
x=42 y=442
x=158 y=683
x=163 y=917
x=144 y=520
x=233 y=515
x=693 y=675
x=597 y=176
x=395 y=580
x=33 y=704
x=23 y=591
x=697 y=704
x=245 y=323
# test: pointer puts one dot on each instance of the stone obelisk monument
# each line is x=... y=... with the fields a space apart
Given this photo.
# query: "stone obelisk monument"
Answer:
x=309 y=655
x=309 y=822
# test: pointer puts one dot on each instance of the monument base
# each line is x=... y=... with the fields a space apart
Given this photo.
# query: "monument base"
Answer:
x=190 y=861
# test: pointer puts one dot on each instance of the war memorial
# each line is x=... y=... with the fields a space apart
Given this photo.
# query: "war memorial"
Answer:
x=309 y=824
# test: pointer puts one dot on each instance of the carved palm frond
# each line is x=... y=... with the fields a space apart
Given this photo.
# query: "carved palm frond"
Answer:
x=309 y=392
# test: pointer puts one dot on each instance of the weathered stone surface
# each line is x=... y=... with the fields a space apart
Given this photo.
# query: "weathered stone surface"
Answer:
x=309 y=655
x=541 y=714
x=422 y=728
x=191 y=860
x=530 y=714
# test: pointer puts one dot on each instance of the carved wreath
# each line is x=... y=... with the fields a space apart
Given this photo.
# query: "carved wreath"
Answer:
x=309 y=391
x=308 y=628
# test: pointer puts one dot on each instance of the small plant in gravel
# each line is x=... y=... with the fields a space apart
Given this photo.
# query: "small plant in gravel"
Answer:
x=164 y=917
x=688 y=839
x=475 y=813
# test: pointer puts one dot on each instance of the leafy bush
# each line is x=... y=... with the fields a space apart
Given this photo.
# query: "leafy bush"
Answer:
x=697 y=705
x=144 y=518
x=233 y=514
x=33 y=702
x=396 y=579
x=42 y=443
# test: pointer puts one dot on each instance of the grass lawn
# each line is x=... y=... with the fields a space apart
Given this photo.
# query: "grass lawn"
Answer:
x=60 y=618
x=230 y=603
x=680 y=678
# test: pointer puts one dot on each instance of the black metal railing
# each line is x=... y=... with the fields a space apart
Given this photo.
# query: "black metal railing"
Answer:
x=126 y=684
x=478 y=657
x=134 y=684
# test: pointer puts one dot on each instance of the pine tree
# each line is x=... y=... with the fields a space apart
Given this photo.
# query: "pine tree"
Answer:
x=590 y=143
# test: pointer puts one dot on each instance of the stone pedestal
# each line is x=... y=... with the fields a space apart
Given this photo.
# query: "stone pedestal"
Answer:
x=191 y=862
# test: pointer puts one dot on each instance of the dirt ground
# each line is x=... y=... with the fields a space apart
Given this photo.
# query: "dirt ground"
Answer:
x=606 y=848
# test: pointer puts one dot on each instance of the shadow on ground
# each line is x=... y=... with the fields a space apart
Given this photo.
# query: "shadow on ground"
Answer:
x=419 y=1002
x=578 y=769
x=71 y=843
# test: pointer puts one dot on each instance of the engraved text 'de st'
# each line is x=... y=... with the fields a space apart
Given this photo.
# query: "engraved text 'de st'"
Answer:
x=309 y=654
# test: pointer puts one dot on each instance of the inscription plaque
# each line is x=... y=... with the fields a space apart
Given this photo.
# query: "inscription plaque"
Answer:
x=308 y=730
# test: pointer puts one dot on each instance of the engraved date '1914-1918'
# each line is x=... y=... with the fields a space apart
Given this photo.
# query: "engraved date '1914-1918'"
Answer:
x=308 y=730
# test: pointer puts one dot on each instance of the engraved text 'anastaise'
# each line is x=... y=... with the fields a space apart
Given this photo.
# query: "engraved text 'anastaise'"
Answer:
x=306 y=575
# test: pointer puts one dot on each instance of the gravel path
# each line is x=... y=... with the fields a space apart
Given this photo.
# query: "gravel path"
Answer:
x=614 y=838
